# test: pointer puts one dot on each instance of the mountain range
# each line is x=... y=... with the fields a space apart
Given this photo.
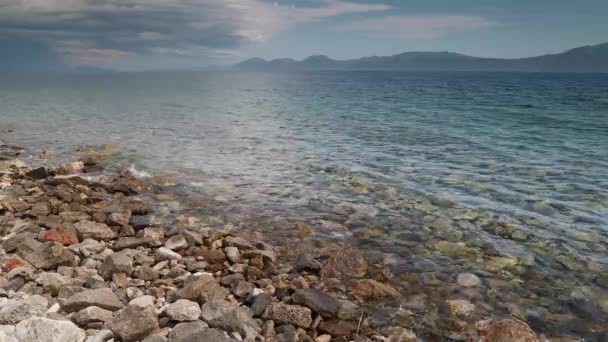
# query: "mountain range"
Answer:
x=582 y=59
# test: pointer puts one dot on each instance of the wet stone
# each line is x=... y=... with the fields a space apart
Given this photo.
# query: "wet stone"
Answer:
x=468 y=280
x=319 y=302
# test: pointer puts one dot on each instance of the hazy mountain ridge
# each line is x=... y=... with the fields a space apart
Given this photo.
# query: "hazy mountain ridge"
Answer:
x=582 y=59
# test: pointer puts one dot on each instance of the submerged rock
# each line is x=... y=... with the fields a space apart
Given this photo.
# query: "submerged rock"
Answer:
x=371 y=289
x=346 y=263
x=468 y=280
x=319 y=302
x=506 y=330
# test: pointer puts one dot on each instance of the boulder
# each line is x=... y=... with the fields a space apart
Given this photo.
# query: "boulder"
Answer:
x=289 y=314
x=94 y=230
x=46 y=256
x=231 y=318
x=344 y=264
x=103 y=298
x=321 y=303
x=134 y=323
x=39 y=329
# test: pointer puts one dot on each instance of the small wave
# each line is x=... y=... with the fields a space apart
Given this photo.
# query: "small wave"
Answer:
x=138 y=173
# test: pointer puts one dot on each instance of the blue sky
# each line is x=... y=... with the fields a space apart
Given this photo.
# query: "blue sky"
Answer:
x=152 y=34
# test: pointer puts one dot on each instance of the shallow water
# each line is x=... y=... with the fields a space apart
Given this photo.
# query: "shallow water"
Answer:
x=435 y=172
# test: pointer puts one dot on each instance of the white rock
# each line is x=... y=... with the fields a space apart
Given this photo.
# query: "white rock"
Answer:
x=143 y=301
x=183 y=310
x=232 y=253
x=39 y=329
x=164 y=253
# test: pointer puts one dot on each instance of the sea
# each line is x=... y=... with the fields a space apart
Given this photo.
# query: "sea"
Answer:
x=504 y=175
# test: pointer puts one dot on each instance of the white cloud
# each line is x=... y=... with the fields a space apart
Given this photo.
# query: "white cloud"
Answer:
x=415 y=27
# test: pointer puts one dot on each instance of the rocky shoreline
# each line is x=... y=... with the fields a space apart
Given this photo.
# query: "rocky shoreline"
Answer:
x=85 y=258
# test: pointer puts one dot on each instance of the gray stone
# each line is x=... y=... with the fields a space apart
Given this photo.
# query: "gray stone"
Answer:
x=92 y=314
x=119 y=219
x=94 y=230
x=153 y=338
x=188 y=332
x=183 y=310
x=164 y=253
x=212 y=335
x=46 y=256
x=39 y=329
x=305 y=262
x=242 y=289
x=103 y=298
x=176 y=242
x=41 y=209
x=129 y=242
x=201 y=288
x=120 y=262
x=289 y=314
x=17 y=310
x=319 y=302
x=100 y=336
x=52 y=282
x=231 y=318
x=260 y=303
x=134 y=323
x=143 y=301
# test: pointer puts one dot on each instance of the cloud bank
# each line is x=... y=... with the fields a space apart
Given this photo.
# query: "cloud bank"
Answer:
x=415 y=27
x=149 y=33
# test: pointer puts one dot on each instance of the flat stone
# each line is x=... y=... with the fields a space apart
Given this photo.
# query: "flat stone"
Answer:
x=231 y=318
x=39 y=173
x=134 y=323
x=94 y=230
x=103 y=298
x=92 y=314
x=39 y=329
x=321 y=303
x=129 y=242
x=183 y=310
x=46 y=256
x=289 y=314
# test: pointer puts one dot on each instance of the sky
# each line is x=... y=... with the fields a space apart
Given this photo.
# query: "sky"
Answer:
x=169 y=34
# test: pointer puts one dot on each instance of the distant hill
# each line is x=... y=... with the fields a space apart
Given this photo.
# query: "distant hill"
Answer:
x=583 y=59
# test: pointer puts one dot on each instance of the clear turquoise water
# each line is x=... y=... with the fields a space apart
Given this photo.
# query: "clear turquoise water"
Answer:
x=403 y=153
